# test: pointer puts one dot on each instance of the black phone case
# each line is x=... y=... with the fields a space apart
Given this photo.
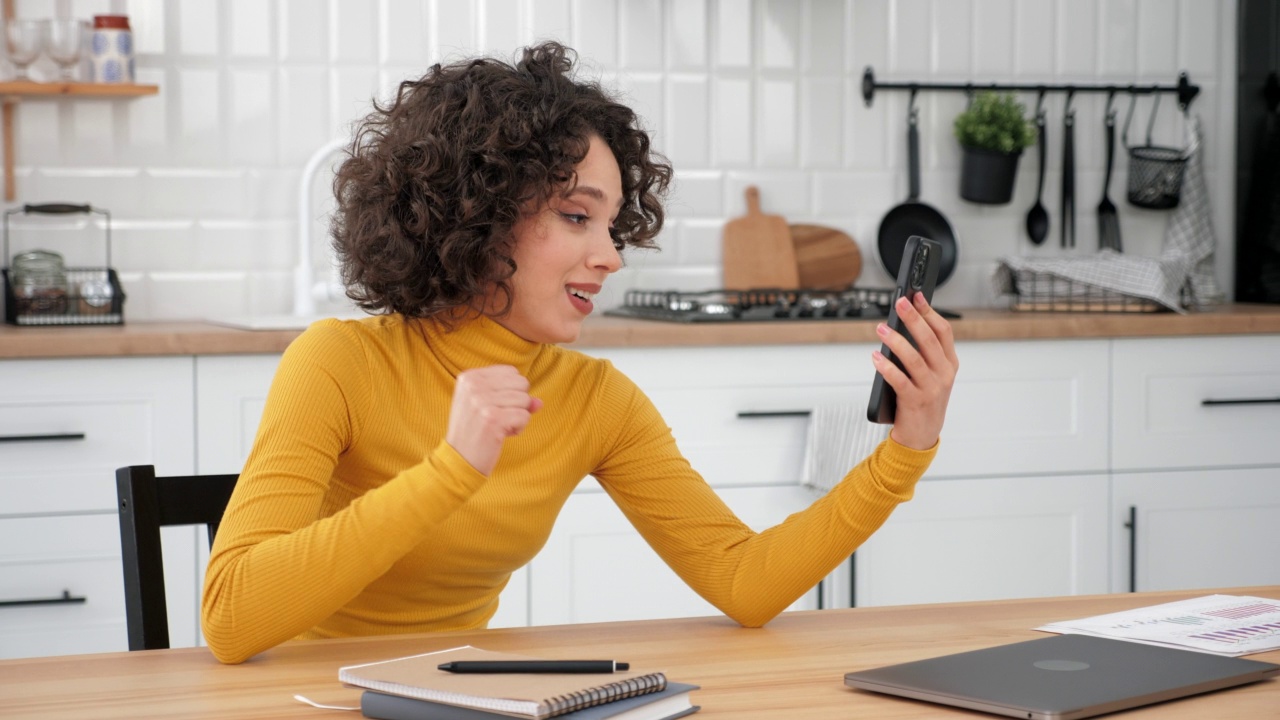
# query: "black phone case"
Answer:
x=918 y=273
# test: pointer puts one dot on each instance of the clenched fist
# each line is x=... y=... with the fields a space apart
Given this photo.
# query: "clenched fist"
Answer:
x=490 y=404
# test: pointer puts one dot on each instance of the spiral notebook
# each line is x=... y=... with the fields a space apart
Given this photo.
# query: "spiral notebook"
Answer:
x=669 y=704
x=534 y=696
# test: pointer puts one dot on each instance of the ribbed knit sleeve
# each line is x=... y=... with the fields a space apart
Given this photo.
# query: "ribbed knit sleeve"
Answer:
x=749 y=576
x=284 y=560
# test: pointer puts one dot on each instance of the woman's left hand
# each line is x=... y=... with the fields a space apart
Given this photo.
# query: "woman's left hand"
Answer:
x=923 y=391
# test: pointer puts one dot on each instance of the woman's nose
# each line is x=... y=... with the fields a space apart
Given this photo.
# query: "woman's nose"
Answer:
x=605 y=254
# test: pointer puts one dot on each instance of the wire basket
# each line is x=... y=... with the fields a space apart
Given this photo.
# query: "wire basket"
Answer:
x=1155 y=172
x=93 y=297
x=82 y=295
x=1041 y=292
x=1155 y=176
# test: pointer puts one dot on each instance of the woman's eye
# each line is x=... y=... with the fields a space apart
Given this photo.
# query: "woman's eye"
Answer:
x=574 y=218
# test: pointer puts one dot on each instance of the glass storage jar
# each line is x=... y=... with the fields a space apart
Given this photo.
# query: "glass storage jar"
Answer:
x=39 y=283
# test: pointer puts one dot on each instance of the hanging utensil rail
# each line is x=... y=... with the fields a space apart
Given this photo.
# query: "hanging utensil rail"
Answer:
x=1185 y=90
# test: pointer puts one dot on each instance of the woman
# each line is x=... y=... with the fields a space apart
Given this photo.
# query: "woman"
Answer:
x=408 y=463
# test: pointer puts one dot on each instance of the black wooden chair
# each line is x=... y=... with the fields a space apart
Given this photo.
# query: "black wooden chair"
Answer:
x=146 y=504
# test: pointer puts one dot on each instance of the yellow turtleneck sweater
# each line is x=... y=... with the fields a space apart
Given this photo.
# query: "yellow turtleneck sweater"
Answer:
x=353 y=516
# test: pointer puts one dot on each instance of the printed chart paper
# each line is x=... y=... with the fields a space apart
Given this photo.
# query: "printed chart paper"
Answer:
x=1221 y=624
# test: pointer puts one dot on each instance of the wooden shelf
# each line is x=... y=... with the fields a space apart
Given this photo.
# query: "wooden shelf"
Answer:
x=14 y=91
x=34 y=90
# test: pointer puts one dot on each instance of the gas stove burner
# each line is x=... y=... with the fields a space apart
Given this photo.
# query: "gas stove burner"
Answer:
x=755 y=305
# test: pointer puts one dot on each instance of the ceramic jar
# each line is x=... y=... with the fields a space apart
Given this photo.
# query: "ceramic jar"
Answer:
x=111 y=49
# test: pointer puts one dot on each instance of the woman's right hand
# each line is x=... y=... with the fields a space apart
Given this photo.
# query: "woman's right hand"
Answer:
x=490 y=404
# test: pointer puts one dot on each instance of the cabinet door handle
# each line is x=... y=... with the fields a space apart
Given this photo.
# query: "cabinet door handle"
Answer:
x=66 y=599
x=747 y=414
x=1241 y=401
x=853 y=580
x=40 y=438
x=1132 y=526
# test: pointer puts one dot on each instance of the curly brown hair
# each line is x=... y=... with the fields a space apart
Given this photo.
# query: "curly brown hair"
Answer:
x=434 y=183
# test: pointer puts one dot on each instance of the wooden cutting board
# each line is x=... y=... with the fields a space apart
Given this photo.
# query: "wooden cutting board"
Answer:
x=758 y=251
x=826 y=257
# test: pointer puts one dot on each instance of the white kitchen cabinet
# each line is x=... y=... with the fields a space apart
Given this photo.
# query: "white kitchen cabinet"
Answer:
x=1195 y=462
x=595 y=567
x=1196 y=529
x=65 y=426
x=230 y=393
x=982 y=525
x=708 y=396
x=1036 y=406
x=988 y=539
x=1204 y=402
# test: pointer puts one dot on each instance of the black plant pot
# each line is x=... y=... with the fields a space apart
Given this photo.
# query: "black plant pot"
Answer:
x=986 y=176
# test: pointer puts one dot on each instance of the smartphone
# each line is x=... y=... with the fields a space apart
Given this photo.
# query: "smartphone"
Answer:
x=918 y=273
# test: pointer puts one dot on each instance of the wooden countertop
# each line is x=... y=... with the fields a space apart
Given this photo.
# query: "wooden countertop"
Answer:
x=791 y=668
x=201 y=338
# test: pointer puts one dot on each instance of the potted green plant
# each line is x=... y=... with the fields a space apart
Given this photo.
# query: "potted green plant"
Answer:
x=993 y=131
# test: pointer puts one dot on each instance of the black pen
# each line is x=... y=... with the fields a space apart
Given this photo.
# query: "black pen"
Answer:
x=533 y=666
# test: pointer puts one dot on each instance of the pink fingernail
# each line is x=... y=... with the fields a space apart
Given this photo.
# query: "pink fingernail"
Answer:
x=882 y=329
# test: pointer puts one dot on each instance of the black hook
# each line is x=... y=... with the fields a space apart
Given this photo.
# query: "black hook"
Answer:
x=1071 y=94
x=1186 y=92
x=1111 y=96
x=1124 y=134
x=1040 y=100
x=912 y=113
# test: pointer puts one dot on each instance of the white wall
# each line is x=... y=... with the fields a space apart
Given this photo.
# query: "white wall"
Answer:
x=202 y=179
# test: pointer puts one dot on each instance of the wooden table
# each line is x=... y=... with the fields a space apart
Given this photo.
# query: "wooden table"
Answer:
x=792 y=668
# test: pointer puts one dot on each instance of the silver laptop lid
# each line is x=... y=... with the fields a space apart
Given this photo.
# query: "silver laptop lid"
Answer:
x=1064 y=677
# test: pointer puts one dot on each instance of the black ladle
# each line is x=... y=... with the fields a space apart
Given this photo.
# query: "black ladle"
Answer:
x=1038 y=216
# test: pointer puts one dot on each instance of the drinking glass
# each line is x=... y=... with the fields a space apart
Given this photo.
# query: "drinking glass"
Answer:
x=23 y=38
x=64 y=41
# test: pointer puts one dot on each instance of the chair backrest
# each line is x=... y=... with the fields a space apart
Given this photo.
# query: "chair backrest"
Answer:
x=148 y=503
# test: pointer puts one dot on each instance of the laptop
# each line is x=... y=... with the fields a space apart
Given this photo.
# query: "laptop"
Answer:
x=1063 y=677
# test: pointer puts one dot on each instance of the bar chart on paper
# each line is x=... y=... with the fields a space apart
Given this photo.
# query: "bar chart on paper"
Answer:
x=1221 y=624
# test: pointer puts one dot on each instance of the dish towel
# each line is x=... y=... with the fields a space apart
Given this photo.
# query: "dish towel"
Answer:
x=1185 y=262
x=1189 y=240
x=840 y=436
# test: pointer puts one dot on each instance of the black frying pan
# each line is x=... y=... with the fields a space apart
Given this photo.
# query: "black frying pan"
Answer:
x=915 y=218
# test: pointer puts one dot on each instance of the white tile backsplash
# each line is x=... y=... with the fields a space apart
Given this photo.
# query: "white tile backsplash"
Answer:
x=994 y=38
x=549 y=19
x=640 y=34
x=776 y=109
x=952 y=37
x=252 y=122
x=1077 y=31
x=354 y=31
x=822 y=122
x=732 y=121
x=252 y=32
x=1035 y=42
x=595 y=31
x=734 y=37
x=823 y=44
x=197 y=27
x=500 y=27
x=1157 y=24
x=202 y=179
x=688 y=115
x=304 y=31
x=687 y=36
x=780 y=34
